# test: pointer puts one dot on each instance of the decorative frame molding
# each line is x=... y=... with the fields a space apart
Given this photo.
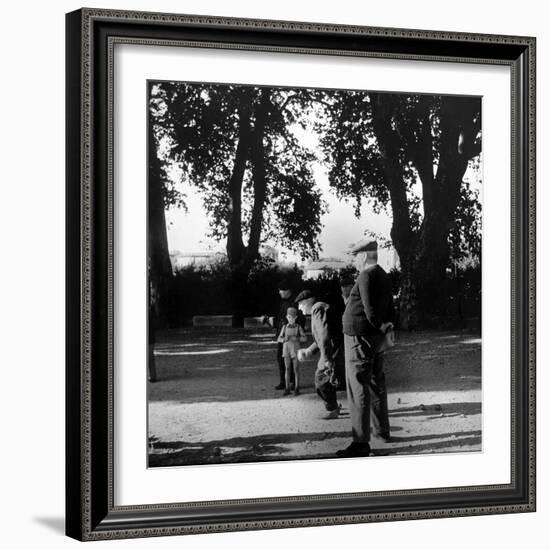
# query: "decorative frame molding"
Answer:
x=91 y=36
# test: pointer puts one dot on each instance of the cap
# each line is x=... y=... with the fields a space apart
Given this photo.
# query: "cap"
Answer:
x=292 y=311
x=346 y=281
x=284 y=285
x=364 y=246
x=304 y=295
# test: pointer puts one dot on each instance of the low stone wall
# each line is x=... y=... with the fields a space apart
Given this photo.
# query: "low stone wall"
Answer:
x=259 y=322
x=213 y=321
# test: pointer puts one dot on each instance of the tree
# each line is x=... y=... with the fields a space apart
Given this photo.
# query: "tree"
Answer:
x=160 y=195
x=382 y=147
x=236 y=145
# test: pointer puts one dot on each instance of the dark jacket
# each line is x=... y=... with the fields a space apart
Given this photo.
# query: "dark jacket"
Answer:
x=370 y=303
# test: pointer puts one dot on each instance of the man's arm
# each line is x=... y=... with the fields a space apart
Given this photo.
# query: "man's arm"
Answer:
x=306 y=353
x=324 y=336
x=366 y=284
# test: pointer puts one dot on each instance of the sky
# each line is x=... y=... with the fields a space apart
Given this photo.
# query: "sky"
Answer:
x=187 y=231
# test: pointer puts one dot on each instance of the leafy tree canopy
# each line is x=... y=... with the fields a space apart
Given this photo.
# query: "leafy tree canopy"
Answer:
x=362 y=132
x=198 y=128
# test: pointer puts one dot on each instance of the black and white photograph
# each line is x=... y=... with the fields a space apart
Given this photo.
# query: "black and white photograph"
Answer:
x=270 y=275
x=314 y=273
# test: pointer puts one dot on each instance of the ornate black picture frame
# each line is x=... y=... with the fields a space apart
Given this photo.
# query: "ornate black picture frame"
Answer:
x=90 y=509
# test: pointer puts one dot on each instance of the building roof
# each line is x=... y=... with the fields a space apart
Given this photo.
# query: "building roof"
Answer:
x=326 y=264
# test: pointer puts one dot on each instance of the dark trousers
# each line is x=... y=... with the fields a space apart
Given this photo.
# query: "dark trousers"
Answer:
x=281 y=364
x=366 y=387
x=340 y=368
x=324 y=377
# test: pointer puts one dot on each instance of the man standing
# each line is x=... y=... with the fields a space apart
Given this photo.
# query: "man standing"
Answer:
x=325 y=341
x=368 y=314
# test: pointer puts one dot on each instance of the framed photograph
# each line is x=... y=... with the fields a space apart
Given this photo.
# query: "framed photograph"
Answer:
x=300 y=274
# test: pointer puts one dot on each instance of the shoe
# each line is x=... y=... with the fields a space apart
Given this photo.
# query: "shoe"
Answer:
x=334 y=413
x=280 y=387
x=286 y=392
x=385 y=437
x=354 y=450
x=297 y=391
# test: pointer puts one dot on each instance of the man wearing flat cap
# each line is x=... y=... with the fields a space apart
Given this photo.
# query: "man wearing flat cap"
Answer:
x=325 y=342
x=368 y=314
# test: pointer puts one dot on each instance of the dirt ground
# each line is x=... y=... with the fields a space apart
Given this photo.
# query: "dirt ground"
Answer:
x=215 y=402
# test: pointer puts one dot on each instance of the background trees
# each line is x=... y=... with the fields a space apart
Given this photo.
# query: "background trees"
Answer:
x=238 y=146
x=409 y=153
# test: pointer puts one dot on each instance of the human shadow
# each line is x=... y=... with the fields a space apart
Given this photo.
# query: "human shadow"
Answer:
x=266 y=439
x=235 y=449
x=272 y=447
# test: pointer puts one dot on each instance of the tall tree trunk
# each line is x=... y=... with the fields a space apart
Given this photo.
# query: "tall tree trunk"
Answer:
x=237 y=253
x=401 y=233
x=257 y=156
x=235 y=246
x=458 y=131
x=424 y=256
x=160 y=267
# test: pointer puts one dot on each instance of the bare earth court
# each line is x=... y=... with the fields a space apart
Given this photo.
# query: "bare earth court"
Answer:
x=215 y=402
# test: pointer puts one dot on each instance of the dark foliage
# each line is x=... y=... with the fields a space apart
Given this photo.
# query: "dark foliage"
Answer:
x=205 y=290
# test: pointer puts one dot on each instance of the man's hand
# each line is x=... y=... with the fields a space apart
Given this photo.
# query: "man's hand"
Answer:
x=384 y=327
x=302 y=354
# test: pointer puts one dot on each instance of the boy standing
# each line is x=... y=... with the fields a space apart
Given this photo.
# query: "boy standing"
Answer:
x=287 y=300
x=290 y=337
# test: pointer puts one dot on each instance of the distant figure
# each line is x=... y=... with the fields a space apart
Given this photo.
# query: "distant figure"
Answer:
x=346 y=285
x=367 y=317
x=326 y=343
x=291 y=335
x=287 y=300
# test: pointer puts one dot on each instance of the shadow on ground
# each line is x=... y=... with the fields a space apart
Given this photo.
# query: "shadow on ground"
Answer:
x=441 y=446
x=272 y=447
